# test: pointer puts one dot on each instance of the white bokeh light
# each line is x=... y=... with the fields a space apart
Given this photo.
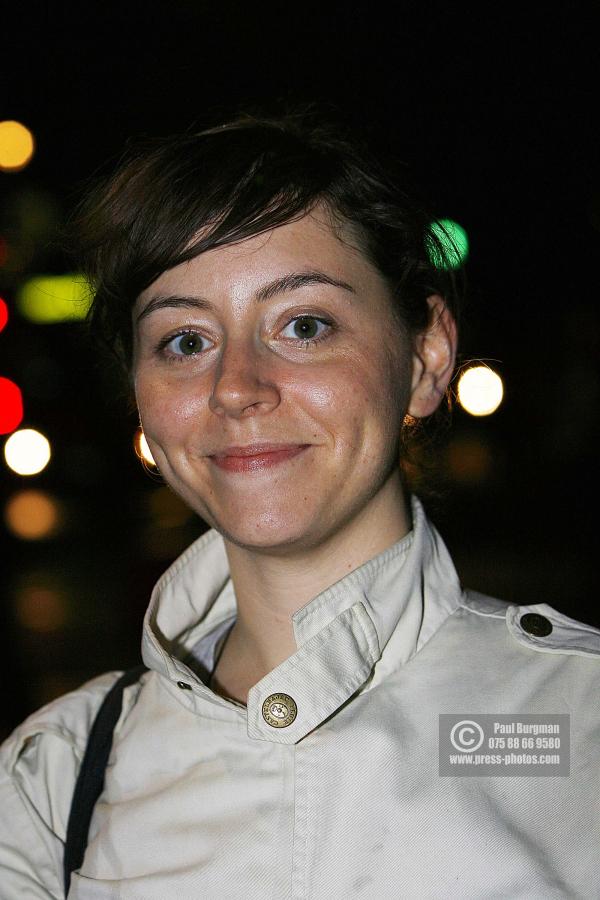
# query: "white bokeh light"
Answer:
x=480 y=391
x=27 y=452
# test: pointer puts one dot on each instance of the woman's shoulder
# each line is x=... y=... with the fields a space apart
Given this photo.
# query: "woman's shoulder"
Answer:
x=538 y=627
x=48 y=746
x=39 y=764
x=67 y=720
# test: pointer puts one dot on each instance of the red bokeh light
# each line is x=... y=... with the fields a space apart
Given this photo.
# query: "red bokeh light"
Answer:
x=3 y=313
x=11 y=406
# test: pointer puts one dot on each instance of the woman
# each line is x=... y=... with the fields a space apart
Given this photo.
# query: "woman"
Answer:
x=272 y=294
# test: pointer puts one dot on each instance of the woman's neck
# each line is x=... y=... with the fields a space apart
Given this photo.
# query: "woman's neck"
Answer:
x=270 y=588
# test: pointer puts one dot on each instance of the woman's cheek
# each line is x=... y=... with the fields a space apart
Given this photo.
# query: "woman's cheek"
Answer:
x=317 y=395
x=326 y=384
x=161 y=408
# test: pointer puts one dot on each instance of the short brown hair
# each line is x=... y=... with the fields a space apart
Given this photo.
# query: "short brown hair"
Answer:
x=235 y=181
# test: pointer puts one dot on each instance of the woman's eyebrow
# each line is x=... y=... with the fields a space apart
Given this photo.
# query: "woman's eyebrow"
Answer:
x=173 y=302
x=290 y=282
x=295 y=280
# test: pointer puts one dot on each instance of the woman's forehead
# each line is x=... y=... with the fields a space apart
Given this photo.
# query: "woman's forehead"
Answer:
x=314 y=243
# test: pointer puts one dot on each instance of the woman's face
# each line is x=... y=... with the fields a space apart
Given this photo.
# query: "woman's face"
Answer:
x=287 y=338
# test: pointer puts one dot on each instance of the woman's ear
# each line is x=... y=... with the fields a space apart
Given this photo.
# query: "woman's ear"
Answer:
x=434 y=353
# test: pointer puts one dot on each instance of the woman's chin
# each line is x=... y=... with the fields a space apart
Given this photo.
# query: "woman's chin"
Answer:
x=277 y=536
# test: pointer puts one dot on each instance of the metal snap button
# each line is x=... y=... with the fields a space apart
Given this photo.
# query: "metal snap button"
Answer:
x=535 y=624
x=279 y=710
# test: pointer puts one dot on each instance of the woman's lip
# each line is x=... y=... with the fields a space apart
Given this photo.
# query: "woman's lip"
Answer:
x=255 y=450
x=255 y=458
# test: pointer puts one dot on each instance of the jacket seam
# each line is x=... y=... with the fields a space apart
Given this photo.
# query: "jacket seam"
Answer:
x=478 y=612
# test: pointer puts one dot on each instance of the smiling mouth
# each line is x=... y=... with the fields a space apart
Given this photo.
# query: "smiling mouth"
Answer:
x=256 y=457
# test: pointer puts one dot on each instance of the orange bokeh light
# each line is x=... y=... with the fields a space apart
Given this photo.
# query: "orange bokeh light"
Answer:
x=16 y=146
x=32 y=515
x=41 y=608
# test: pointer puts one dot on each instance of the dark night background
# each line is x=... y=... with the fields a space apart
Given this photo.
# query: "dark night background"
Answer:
x=495 y=112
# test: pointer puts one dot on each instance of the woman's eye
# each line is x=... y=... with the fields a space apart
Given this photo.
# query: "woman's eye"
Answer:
x=187 y=344
x=306 y=328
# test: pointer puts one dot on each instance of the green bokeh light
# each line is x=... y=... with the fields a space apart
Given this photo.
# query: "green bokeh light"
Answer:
x=455 y=245
x=46 y=299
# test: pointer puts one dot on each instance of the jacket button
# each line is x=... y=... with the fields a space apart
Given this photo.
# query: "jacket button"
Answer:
x=184 y=686
x=535 y=624
x=279 y=710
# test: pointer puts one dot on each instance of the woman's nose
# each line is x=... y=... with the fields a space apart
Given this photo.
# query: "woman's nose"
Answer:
x=243 y=382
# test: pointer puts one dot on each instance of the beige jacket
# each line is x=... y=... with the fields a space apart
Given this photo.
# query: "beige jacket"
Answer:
x=207 y=799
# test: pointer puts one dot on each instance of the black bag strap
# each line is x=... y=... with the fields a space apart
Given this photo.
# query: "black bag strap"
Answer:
x=90 y=780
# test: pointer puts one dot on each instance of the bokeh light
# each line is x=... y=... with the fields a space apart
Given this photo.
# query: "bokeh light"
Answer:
x=32 y=515
x=142 y=449
x=3 y=313
x=41 y=608
x=27 y=452
x=11 y=406
x=469 y=459
x=16 y=146
x=455 y=245
x=480 y=390
x=45 y=299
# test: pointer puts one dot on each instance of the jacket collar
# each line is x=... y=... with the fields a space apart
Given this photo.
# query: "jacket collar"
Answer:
x=350 y=637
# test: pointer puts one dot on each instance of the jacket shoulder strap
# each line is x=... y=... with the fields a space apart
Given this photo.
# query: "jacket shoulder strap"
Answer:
x=90 y=780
